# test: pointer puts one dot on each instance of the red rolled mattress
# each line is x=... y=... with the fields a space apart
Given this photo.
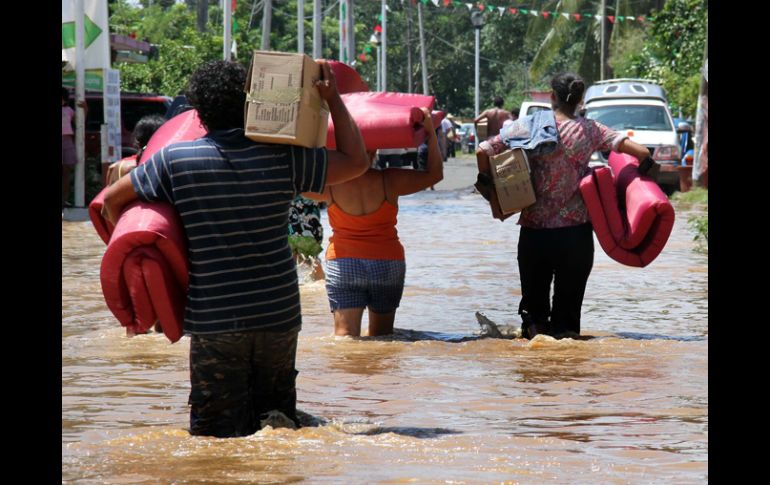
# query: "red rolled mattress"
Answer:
x=386 y=120
x=144 y=269
x=630 y=214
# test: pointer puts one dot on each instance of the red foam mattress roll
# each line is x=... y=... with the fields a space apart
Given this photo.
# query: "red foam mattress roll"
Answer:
x=144 y=269
x=386 y=120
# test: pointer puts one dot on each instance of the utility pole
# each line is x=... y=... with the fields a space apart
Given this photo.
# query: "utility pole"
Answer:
x=227 y=41
x=202 y=15
x=80 y=95
x=301 y=26
x=384 y=45
x=422 y=51
x=317 y=51
x=267 y=17
x=603 y=53
x=409 y=49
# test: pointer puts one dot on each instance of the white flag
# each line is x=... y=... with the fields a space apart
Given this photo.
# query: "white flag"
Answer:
x=435 y=2
x=565 y=15
x=502 y=10
x=469 y=5
x=96 y=30
x=535 y=13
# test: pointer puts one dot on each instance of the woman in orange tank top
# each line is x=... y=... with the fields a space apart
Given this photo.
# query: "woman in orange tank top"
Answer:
x=365 y=264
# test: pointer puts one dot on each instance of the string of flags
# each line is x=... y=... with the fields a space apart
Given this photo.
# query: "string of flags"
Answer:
x=502 y=10
x=507 y=10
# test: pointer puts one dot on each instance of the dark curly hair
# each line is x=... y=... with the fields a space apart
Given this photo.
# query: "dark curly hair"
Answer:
x=569 y=89
x=216 y=91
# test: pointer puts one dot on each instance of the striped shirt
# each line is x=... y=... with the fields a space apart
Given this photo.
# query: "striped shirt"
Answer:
x=233 y=196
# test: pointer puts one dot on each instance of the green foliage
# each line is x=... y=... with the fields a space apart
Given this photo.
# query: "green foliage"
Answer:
x=518 y=53
x=673 y=52
x=307 y=246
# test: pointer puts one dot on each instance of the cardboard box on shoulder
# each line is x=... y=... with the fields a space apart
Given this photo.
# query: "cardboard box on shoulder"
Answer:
x=282 y=104
x=511 y=176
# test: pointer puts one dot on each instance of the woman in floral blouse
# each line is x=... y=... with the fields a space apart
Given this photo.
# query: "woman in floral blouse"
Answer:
x=556 y=240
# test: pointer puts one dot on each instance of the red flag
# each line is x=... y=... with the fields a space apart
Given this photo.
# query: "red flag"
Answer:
x=577 y=16
x=378 y=28
x=233 y=5
x=612 y=18
x=545 y=14
x=362 y=57
x=481 y=6
x=447 y=2
x=513 y=10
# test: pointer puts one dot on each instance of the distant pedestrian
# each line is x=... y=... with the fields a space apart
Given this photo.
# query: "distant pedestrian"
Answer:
x=495 y=118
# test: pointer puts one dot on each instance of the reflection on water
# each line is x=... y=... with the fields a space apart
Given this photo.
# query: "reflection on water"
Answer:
x=432 y=403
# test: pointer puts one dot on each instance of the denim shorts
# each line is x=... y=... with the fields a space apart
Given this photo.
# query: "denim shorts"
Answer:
x=358 y=283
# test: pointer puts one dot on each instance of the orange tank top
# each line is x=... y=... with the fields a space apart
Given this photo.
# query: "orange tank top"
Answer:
x=368 y=236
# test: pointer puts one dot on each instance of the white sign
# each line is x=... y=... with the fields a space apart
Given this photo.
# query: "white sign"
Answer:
x=97 y=33
x=112 y=114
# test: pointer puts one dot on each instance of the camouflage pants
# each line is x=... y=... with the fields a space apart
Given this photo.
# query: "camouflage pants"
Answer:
x=237 y=377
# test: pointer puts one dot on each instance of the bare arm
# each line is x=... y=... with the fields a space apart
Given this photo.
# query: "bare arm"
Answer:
x=118 y=195
x=349 y=160
x=480 y=117
x=633 y=149
x=404 y=182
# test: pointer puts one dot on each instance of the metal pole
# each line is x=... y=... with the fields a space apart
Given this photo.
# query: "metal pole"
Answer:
x=267 y=18
x=603 y=8
x=379 y=78
x=343 y=41
x=384 y=45
x=228 y=31
x=80 y=95
x=317 y=51
x=422 y=52
x=476 y=76
x=351 y=33
x=301 y=26
x=408 y=49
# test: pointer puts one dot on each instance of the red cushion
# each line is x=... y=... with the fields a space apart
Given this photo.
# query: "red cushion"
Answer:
x=348 y=80
x=632 y=217
x=386 y=120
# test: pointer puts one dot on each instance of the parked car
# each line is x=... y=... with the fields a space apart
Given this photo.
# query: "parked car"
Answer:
x=467 y=135
x=638 y=108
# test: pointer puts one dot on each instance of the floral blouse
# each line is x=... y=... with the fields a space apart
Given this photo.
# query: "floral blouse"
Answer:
x=556 y=176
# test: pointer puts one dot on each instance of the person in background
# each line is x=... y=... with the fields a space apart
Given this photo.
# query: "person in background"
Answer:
x=306 y=234
x=143 y=131
x=556 y=239
x=233 y=195
x=365 y=261
x=68 y=153
x=495 y=117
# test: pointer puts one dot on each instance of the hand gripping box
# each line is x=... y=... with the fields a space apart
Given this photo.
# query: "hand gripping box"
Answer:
x=282 y=105
x=511 y=176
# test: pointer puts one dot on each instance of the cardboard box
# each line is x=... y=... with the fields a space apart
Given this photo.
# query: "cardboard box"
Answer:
x=282 y=105
x=481 y=130
x=513 y=184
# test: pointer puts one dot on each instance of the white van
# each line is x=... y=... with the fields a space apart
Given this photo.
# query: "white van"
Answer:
x=639 y=109
x=531 y=107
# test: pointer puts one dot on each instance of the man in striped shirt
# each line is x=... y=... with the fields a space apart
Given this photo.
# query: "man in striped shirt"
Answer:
x=233 y=196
